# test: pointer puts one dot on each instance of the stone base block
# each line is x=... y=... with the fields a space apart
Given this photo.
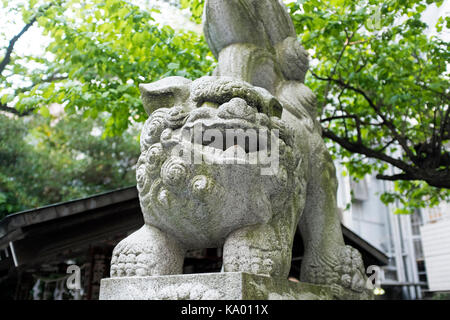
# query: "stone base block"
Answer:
x=210 y=286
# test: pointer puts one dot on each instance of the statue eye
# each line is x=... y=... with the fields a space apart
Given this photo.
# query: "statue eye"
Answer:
x=154 y=99
x=208 y=104
x=165 y=93
x=276 y=109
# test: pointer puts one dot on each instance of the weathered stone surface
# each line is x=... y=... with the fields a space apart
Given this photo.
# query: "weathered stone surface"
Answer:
x=260 y=22
x=223 y=199
x=200 y=188
x=216 y=203
x=211 y=286
x=168 y=91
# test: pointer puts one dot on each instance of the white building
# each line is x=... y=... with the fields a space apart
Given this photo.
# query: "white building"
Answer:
x=396 y=235
x=435 y=233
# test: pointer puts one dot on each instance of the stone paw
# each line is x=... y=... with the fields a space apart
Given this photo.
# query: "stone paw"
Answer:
x=146 y=252
x=337 y=290
x=131 y=257
x=129 y=265
x=251 y=260
x=342 y=270
x=350 y=269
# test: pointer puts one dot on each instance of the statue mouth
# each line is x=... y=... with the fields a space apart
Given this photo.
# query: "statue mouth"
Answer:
x=225 y=141
x=225 y=134
x=219 y=150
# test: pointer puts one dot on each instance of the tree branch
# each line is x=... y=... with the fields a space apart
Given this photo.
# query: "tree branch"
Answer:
x=438 y=180
x=361 y=149
x=386 y=145
x=395 y=177
x=7 y=58
x=350 y=116
x=5 y=108
x=341 y=54
x=51 y=78
x=435 y=178
x=12 y=42
x=402 y=140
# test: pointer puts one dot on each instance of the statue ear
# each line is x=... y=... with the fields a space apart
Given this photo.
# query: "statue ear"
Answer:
x=165 y=93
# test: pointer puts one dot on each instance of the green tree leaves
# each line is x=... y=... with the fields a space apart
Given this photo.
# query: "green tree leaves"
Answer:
x=382 y=83
x=196 y=8
x=99 y=53
x=49 y=160
x=383 y=89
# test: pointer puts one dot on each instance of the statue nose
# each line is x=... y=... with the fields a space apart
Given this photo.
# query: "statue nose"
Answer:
x=237 y=108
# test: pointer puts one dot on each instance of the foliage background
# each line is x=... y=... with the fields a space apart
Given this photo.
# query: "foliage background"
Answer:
x=364 y=54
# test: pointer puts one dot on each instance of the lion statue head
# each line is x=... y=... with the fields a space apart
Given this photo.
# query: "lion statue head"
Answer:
x=215 y=156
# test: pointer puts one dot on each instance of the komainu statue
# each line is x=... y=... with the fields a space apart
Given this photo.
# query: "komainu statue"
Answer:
x=236 y=160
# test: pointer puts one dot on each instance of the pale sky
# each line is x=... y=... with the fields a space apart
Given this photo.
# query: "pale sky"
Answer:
x=33 y=42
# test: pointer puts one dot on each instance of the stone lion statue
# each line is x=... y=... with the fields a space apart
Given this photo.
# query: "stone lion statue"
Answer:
x=236 y=160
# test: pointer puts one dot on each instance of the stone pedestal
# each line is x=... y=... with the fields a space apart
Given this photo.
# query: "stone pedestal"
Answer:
x=209 y=286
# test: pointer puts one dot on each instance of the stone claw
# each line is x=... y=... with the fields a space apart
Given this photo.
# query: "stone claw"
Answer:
x=139 y=255
x=343 y=271
x=350 y=268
